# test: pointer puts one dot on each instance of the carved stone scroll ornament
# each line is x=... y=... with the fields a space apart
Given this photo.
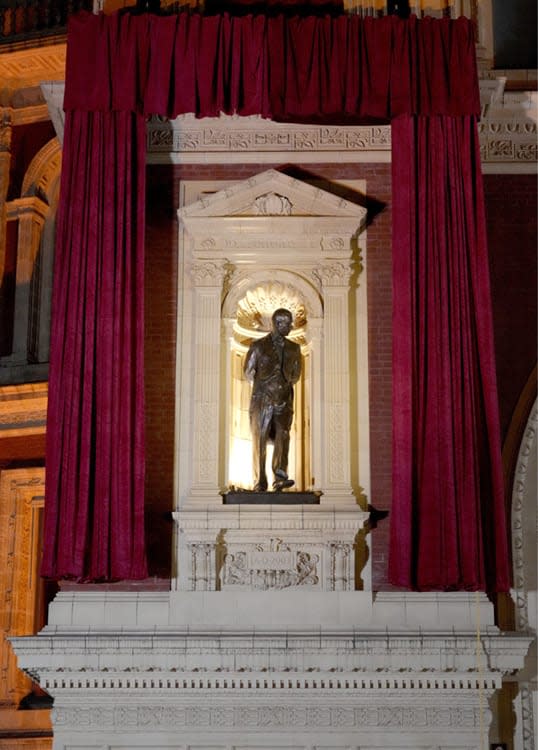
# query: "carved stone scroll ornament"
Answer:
x=273 y=566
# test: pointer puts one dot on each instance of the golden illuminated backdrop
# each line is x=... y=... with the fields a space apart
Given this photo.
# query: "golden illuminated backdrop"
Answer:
x=254 y=311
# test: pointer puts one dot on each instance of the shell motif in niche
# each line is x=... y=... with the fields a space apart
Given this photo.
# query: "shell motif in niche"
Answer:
x=255 y=309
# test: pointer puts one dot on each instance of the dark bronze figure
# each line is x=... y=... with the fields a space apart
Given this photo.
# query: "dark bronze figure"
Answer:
x=272 y=366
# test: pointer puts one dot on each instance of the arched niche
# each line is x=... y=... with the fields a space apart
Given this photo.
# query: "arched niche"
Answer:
x=34 y=216
x=271 y=233
x=247 y=311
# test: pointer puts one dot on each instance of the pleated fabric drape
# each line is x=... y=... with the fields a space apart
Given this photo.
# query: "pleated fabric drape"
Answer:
x=94 y=510
x=448 y=528
x=447 y=520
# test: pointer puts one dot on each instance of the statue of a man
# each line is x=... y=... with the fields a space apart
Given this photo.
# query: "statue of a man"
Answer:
x=272 y=366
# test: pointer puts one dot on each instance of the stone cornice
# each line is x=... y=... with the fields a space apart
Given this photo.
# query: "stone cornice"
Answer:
x=191 y=659
x=22 y=72
x=274 y=517
x=23 y=409
x=507 y=132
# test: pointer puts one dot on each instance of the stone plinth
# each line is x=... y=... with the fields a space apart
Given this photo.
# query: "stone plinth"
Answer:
x=130 y=670
x=249 y=547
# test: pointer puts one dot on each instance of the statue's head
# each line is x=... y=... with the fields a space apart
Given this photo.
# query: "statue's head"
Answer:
x=282 y=321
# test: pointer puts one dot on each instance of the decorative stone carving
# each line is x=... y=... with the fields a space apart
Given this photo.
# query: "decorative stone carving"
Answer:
x=43 y=174
x=254 y=549
x=210 y=273
x=510 y=117
x=524 y=564
x=333 y=274
x=341 y=575
x=23 y=409
x=527 y=451
x=278 y=567
x=255 y=309
x=272 y=204
x=527 y=716
x=507 y=128
x=303 y=686
x=236 y=136
x=268 y=716
x=203 y=566
x=21 y=503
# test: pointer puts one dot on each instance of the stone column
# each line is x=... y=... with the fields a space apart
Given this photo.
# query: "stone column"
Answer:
x=208 y=277
x=30 y=213
x=315 y=338
x=334 y=277
x=5 y=161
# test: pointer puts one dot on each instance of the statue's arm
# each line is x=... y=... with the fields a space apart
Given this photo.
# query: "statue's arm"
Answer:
x=250 y=365
x=296 y=368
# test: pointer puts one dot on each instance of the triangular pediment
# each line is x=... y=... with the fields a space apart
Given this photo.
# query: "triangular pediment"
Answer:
x=272 y=193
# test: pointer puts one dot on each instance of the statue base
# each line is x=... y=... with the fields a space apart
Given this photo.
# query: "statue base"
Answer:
x=250 y=497
x=258 y=541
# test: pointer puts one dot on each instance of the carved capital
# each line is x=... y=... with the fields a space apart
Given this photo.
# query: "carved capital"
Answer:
x=333 y=274
x=32 y=208
x=211 y=273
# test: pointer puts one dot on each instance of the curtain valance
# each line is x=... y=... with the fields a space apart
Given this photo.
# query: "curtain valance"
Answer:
x=279 y=67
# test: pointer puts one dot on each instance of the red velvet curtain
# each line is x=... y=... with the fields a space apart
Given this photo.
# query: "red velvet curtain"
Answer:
x=284 y=68
x=448 y=527
x=314 y=68
x=94 y=511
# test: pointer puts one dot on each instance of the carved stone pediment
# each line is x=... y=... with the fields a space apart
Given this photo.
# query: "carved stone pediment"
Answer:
x=272 y=193
x=274 y=212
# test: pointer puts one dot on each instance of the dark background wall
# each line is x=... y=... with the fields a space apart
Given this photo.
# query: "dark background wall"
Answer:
x=514 y=33
x=511 y=209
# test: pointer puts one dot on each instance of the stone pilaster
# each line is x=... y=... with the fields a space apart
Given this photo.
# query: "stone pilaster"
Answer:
x=208 y=278
x=30 y=213
x=334 y=277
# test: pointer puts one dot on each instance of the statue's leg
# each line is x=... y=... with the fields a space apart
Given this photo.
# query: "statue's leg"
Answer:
x=260 y=421
x=282 y=424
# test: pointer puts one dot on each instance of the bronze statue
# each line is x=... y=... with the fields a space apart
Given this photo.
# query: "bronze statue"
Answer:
x=272 y=366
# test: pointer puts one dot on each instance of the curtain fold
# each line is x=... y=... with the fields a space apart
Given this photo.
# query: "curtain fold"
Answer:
x=279 y=67
x=448 y=526
x=94 y=514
